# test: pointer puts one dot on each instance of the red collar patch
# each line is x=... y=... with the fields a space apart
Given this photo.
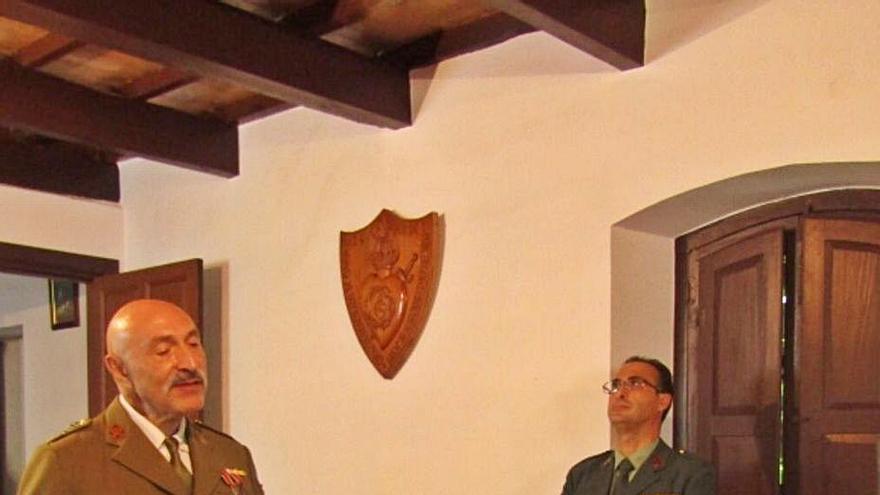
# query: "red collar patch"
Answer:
x=656 y=462
x=117 y=432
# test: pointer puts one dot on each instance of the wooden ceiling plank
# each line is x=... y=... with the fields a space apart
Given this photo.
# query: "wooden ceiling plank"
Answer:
x=611 y=30
x=57 y=167
x=47 y=49
x=156 y=83
x=45 y=105
x=255 y=106
x=251 y=52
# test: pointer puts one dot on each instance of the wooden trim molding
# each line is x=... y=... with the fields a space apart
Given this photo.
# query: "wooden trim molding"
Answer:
x=27 y=260
x=838 y=202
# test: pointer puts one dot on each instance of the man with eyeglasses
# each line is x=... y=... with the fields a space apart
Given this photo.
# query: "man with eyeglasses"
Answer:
x=639 y=398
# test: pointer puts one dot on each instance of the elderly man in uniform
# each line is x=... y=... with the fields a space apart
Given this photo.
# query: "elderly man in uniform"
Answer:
x=145 y=443
x=639 y=397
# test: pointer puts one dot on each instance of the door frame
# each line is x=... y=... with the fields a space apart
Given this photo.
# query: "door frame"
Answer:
x=49 y=263
x=40 y=262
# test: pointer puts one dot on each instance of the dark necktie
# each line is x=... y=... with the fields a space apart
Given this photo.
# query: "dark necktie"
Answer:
x=621 y=477
x=177 y=464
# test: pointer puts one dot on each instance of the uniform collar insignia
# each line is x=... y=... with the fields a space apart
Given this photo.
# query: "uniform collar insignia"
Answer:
x=656 y=462
x=117 y=432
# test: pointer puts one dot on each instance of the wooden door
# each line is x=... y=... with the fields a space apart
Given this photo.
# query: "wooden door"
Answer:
x=734 y=402
x=180 y=283
x=838 y=358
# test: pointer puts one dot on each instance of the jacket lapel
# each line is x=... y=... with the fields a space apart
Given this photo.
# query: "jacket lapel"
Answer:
x=207 y=464
x=651 y=469
x=136 y=453
x=601 y=481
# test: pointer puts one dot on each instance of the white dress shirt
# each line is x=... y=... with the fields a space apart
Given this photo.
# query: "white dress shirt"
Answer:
x=157 y=438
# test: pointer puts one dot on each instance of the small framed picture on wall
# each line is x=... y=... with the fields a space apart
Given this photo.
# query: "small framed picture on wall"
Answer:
x=63 y=304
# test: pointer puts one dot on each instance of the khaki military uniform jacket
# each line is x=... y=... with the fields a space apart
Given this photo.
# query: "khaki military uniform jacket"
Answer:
x=664 y=472
x=110 y=455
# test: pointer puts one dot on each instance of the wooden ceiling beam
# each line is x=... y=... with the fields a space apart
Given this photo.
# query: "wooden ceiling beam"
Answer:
x=48 y=165
x=611 y=30
x=52 y=107
x=315 y=19
x=218 y=41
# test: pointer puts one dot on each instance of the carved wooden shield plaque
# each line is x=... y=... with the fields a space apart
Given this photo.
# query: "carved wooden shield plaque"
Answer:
x=390 y=271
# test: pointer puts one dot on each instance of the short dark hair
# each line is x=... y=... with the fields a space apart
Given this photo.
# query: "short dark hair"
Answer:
x=666 y=386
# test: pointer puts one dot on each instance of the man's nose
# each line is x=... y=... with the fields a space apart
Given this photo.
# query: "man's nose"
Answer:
x=186 y=358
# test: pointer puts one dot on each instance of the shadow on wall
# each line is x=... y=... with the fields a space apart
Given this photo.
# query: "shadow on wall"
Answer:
x=643 y=246
x=215 y=284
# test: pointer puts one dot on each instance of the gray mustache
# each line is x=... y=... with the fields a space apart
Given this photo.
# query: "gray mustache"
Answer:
x=188 y=376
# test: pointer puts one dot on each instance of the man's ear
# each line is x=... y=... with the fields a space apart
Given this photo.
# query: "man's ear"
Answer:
x=665 y=401
x=116 y=368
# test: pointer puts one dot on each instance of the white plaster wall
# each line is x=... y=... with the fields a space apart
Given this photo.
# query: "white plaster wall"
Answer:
x=54 y=362
x=58 y=222
x=532 y=154
x=55 y=389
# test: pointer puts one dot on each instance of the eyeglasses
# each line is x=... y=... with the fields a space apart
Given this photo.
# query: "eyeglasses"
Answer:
x=634 y=383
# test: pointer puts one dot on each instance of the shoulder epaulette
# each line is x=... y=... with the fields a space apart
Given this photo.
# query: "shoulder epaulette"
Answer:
x=73 y=427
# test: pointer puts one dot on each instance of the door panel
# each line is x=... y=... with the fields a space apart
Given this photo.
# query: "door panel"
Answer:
x=858 y=474
x=851 y=336
x=180 y=283
x=839 y=407
x=737 y=362
x=738 y=455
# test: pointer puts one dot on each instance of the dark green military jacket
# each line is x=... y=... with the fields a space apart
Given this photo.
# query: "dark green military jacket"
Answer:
x=110 y=455
x=664 y=472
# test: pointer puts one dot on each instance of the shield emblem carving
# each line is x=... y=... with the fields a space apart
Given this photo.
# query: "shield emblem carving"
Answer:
x=390 y=271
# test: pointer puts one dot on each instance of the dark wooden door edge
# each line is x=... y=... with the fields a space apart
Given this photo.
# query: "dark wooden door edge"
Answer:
x=843 y=202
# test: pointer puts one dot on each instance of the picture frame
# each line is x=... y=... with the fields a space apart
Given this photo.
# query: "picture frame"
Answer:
x=63 y=304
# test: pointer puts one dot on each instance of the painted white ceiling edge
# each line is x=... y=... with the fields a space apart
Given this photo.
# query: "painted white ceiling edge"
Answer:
x=704 y=205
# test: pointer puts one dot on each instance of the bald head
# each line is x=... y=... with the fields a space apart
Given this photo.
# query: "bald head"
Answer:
x=141 y=316
x=155 y=355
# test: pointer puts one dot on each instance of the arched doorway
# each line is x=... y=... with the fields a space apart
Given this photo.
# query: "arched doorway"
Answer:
x=778 y=345
x=643 y=247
